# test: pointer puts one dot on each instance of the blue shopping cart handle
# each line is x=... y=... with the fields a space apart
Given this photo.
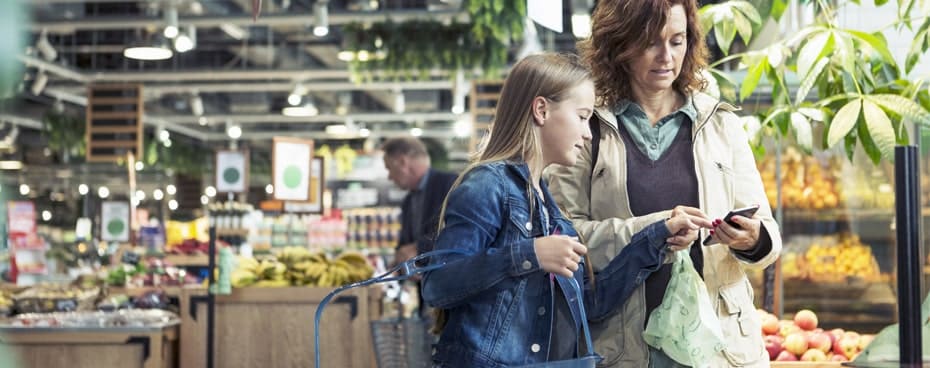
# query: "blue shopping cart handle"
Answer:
x=410 y=269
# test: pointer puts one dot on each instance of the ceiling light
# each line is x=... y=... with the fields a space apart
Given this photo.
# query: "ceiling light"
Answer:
x=204 y=199
x=24 y=189
x=460 y=89
x=416 y=132
x=196 y=105
x=157 y=52
x=202 y=121
x=400 y=104
x=11 y=165
x=320 y=19
x=210 y=191
x=140 y=194
x=139 y=166
x=45 y=48
x=186 y=41
x=39 y=84
x=269 y=189
x=337 y=129
x=46 y=215
x=234 y=31
x=171 y=189
x=171 y=22
x=234 y=131
x=83 y=189
x=103 y=192
x=166 y=143
x=462 y=128
x=305 y=110
x=581 y=25
x=163 y=134
x=172 y=205
x=135 y=201
x=158 y=195
x=364 y=132
x=346 y=55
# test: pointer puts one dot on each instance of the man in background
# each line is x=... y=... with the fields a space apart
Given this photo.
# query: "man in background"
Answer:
x=408 y=166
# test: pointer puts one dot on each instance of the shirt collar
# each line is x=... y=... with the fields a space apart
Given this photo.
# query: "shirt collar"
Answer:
x=422 y=184
x=628 y=106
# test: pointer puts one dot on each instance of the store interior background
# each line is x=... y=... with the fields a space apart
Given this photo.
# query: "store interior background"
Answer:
x=232 y=82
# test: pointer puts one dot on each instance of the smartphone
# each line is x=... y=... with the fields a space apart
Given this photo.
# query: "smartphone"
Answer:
x=745 y=212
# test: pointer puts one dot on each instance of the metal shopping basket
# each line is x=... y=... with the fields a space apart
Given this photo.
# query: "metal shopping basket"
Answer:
x=410 y=337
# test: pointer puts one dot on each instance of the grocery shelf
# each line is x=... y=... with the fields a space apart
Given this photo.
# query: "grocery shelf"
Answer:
x=138 y=291
x=184 y=260
x=232 y=232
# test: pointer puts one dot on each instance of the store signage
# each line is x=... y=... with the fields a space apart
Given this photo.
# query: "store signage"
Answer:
x=232 y=171
x=114 y=225
x=544 y=13
x=290 y=166
x=22 y=217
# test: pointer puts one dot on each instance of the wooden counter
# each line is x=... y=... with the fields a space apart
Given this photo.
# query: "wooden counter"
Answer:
x=273 y=327
x=92 y=348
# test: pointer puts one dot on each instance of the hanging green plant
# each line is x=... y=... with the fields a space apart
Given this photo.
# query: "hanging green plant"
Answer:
x=412 y=49
x=65 y=134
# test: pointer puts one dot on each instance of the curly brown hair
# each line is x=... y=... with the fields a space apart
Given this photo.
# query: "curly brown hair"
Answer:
x=622 y=29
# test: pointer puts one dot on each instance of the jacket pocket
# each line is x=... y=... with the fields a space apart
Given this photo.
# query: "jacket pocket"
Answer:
x=519 y=218
x=740 y=324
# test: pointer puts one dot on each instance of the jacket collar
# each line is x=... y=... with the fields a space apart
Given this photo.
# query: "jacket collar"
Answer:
x=705 y=105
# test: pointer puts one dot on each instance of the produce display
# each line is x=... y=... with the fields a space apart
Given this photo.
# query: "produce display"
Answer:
x=297 y=266
x=801 y=339
x=826 y=182
x=46 y=298
x=6 y=303
x=150 y=272
x=830 y=259
x=122 y=318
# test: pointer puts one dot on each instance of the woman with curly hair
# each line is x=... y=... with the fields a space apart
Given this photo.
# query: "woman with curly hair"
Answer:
x=686 y=152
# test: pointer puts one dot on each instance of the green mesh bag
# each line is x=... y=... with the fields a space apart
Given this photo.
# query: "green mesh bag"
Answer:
x=685 y=326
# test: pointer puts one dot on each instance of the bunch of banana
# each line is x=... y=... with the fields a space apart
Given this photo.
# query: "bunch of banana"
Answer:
x=358 y=266
x=293 y=255
x=265 y=273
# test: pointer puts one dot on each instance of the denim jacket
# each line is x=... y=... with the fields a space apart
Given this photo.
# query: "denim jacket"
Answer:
x=498 y=300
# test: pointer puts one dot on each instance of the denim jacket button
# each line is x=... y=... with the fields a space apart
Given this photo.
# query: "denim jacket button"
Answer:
x=527 y=265
x=529 y=226
x=535 y=348
x=541 y=311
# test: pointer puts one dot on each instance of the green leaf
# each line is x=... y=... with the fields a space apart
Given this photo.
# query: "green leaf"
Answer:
x=802 y=131
x=844 y=121
x=776 y=55
x=918 y=46
x=743 y=27
x=706 y=17
x=880 y=2
x=747 y=9
x=808 y=82
x=880 y=128
x=778 y=8
x=752 y=79
x=812 y=113
x=725 y=85
x=878 y=43
x=725 y=32
x=849 y=145
x=907 y=108
x=812 y=51
x=868 y=145
x=847 y=51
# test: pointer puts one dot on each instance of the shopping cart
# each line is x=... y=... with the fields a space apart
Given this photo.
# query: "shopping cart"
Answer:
x=409 y=338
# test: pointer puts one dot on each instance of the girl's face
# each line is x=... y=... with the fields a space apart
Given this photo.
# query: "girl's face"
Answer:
x=565 y=127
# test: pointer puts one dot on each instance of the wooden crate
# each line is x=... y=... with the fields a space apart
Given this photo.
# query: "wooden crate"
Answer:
x=273 y=327
x=86 y=348
x=483 y=101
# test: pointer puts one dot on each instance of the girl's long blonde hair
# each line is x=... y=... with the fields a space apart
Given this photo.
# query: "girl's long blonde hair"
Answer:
x=512 y=136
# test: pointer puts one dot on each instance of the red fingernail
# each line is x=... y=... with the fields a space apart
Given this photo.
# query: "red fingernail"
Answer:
x=711 y=232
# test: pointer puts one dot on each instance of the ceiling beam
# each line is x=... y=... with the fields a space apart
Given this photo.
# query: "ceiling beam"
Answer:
x=319 y=119
x=154 y=91
x=286 y=19
x=267 y=136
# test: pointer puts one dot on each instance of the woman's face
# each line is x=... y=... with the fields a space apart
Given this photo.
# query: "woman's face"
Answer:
x=659 y=64
x=565 y=126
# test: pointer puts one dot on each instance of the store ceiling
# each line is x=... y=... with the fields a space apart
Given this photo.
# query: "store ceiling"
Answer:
x=241 y=70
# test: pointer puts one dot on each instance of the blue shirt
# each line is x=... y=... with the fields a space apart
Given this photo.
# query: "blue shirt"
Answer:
x=499 y=302
x=651 y=140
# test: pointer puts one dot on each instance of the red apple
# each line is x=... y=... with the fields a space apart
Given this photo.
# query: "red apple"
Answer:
x=770 y=325
x=786 y=356
x=865 y=340
x=786 y=328
x=836 y=334
x=806 y=320
x=820 y=341
x=847 y=346
x=814 y=355
x=773 y=344
x=796 y=343
x=838 y=358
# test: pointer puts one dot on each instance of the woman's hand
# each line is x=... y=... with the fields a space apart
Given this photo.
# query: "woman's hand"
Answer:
x=559 y=254
x=684 y=225
x=743 y=237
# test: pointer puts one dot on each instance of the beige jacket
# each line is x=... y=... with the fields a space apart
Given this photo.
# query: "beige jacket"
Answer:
x=599 y=208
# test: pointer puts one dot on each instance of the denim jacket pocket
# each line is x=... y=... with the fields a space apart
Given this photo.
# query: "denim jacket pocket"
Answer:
x=519 y=216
